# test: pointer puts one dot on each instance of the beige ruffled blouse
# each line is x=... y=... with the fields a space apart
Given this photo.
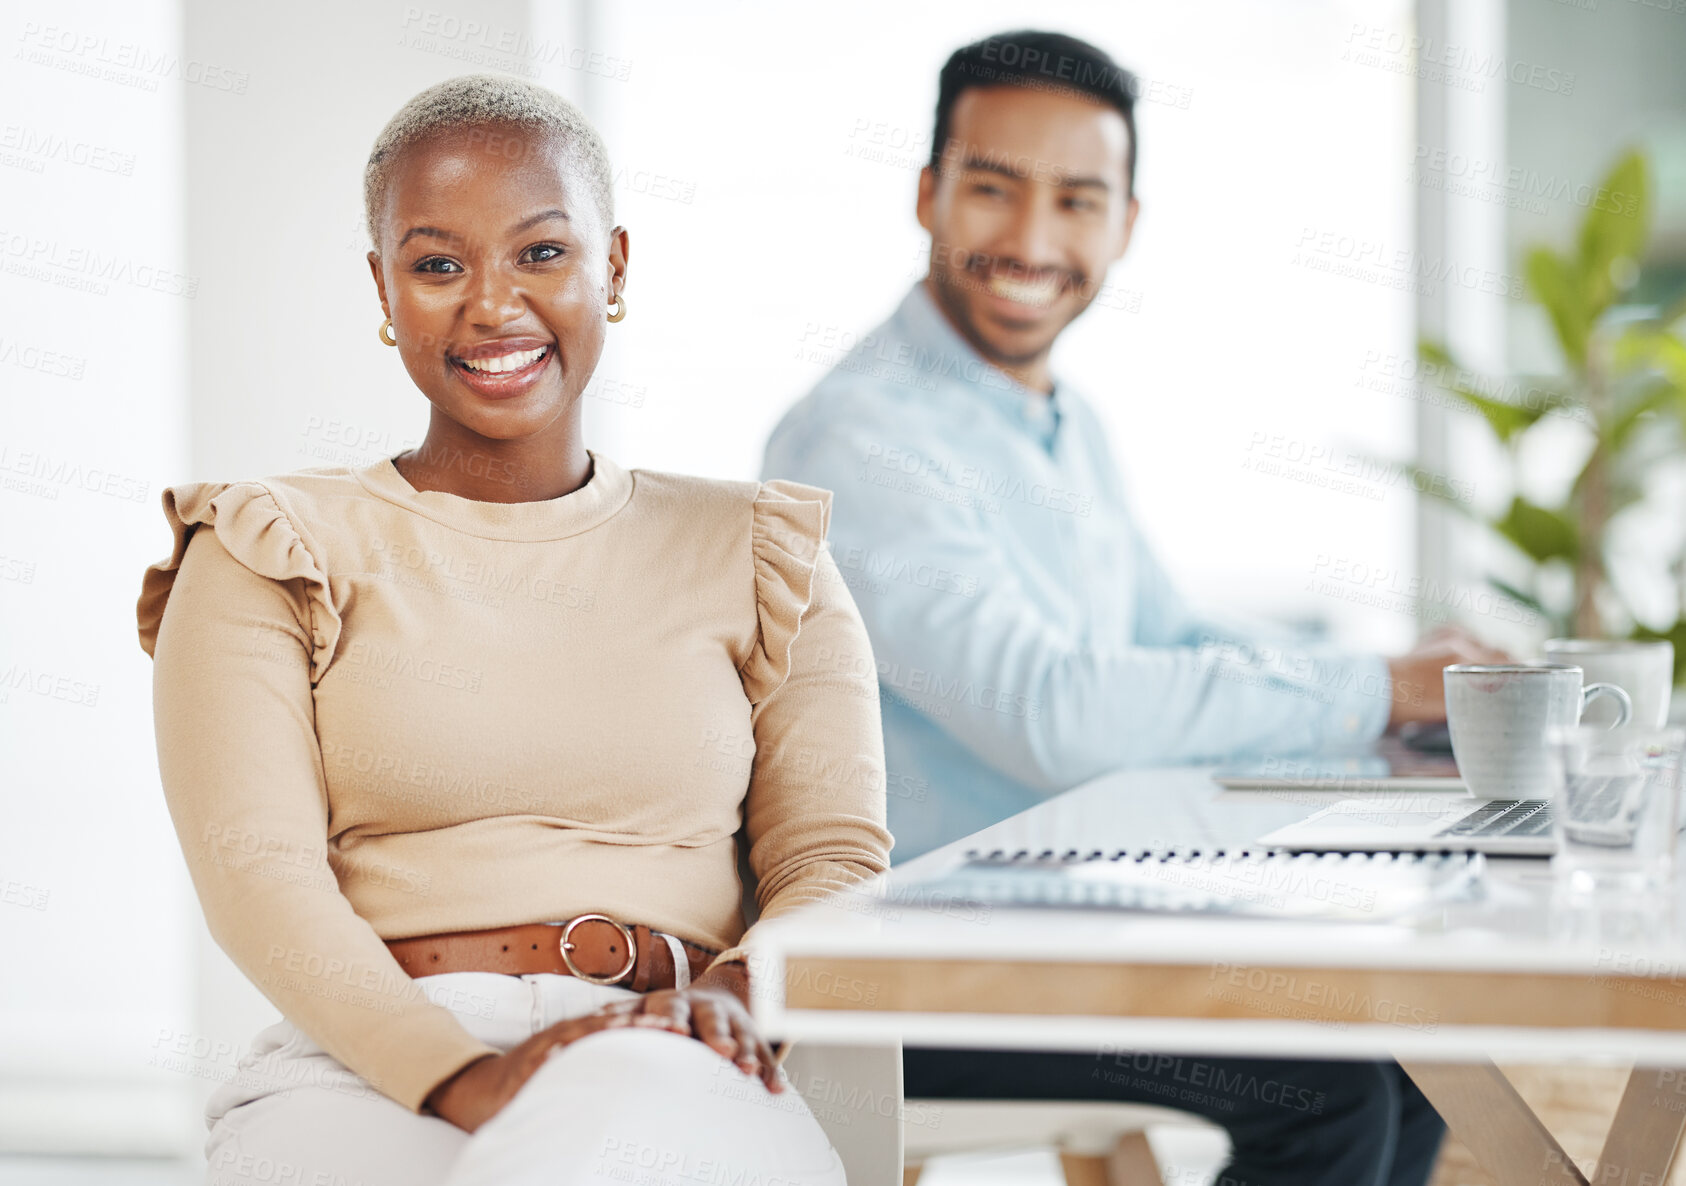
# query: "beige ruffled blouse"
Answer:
x=385 y=712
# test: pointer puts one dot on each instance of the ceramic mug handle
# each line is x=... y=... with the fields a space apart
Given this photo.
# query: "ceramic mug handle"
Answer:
x=1624 y=703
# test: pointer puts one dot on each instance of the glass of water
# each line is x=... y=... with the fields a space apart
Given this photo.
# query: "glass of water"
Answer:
x=1615 y=804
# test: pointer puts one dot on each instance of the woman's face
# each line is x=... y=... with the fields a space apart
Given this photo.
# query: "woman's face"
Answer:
x=497 y=272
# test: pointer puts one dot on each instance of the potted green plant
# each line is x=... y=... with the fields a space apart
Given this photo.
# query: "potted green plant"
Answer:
x=1623 y=388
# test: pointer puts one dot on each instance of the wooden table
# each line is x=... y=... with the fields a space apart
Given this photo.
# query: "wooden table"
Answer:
x=1515 y=975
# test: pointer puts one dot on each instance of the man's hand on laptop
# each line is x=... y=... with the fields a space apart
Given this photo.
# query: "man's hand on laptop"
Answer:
x=1419 y=689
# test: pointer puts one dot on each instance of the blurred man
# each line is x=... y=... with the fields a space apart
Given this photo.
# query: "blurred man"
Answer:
x=1026 y=638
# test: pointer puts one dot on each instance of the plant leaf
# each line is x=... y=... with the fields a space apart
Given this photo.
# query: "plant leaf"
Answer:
x=1521 y=598
x=1506 y=418
x=1613 y=233
x=1435 y=354
x=1541 y=533
x=1555 y=285
x=1505 y=415
x=1654 y=397
x=1668 y=354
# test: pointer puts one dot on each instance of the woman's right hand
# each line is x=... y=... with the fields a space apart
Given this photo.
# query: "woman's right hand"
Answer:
x=476 y=1093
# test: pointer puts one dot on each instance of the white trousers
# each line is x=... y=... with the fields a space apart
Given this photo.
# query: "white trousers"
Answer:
x=628 y=1107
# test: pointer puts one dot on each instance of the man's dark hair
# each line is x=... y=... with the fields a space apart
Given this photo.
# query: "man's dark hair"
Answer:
x=1037 y=61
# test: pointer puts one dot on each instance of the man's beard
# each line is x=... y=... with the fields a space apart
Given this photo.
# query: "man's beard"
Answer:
x=968 y=272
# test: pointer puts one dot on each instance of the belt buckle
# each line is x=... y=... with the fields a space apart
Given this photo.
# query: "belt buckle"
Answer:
x=567 y=948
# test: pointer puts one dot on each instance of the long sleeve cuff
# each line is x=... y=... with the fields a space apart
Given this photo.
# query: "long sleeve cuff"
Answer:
x=1360 y=702
x=413 y=1074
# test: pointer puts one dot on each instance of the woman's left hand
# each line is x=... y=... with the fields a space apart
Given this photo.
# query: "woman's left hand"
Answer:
x=715 y=1011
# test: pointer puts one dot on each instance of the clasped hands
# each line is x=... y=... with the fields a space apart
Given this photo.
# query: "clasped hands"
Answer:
x=714 y=1010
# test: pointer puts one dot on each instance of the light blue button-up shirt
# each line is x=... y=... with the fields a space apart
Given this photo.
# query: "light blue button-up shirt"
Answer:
x=1025 y=637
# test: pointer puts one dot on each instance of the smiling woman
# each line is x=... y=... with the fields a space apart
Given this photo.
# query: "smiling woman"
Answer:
x=439 y=734
x=490 y=207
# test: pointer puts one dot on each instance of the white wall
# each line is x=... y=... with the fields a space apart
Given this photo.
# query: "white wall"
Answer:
x=95 y=300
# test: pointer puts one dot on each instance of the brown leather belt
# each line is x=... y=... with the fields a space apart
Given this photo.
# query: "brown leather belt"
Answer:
x=592 y=946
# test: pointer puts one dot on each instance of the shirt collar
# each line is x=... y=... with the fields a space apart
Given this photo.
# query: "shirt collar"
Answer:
x=955 y=360
x=607 y=490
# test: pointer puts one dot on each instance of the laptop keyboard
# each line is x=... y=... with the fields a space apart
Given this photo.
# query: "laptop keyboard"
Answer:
x=1503 y=817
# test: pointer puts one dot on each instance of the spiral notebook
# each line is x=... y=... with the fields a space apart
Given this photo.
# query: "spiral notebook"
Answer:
x=1239 y=882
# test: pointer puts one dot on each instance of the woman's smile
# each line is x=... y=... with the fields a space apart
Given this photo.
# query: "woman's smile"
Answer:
x=503 y=367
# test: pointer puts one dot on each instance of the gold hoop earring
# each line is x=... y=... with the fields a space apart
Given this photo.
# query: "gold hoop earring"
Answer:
x=386 y=328
x=620 y=308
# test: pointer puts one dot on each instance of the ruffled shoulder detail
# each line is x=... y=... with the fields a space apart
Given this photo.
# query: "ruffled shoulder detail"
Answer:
x=787 y=534
x=257 y=532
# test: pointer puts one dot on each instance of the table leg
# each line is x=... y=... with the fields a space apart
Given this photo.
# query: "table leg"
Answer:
x=1643 y=1136
x=1081 y=1170
x=1133 y=1163
x=1484 y=1111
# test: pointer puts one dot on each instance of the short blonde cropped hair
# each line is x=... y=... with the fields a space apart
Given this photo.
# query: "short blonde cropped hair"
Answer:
x=473 y=99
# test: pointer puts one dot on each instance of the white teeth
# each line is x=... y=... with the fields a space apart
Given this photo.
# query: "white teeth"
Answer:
x=504 y=362
x=1041 y=294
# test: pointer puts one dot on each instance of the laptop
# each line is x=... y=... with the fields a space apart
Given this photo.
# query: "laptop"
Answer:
x=1608 y=810
x=1424 y=823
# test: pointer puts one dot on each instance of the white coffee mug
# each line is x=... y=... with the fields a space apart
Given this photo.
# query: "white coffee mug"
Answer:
x=1498 y=715
x=1645 y=670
